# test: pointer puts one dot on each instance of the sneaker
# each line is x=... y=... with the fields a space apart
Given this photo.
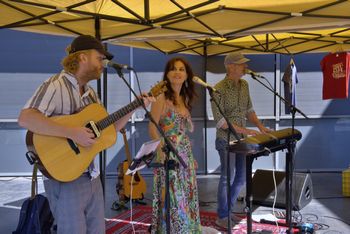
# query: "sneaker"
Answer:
x=237 y=219
x=280 y=214
x=222 y=222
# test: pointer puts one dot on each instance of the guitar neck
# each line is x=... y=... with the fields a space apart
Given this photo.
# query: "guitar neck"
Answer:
x=126 y=145
x=115 y=116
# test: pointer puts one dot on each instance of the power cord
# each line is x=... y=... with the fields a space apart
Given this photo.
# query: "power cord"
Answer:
x=275 y=198
x=131 y=211
x=330 y=217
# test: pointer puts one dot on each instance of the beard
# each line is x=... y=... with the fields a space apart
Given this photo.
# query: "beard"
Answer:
x=92 y=74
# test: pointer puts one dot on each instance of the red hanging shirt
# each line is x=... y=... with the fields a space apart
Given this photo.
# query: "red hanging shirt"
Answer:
x=335 y=68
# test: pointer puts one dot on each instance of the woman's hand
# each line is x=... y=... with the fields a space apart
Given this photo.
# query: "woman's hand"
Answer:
x=147 y=99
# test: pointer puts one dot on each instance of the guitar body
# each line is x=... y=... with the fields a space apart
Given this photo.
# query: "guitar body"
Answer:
x=123 y=187
x=57 y=159
x=119 y=188
x=60 y=158
x=139 y=184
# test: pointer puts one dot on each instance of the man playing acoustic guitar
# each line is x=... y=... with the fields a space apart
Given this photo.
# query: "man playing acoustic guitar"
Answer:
x=77 y=201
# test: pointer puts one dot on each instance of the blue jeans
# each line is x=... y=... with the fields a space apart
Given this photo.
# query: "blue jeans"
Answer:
x=238 y=177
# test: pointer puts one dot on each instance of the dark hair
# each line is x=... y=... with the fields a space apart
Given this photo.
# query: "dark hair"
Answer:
x=187 y=91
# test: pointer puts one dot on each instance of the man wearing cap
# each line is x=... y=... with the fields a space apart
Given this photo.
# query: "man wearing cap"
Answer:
x=234 y=100
x=77 y=206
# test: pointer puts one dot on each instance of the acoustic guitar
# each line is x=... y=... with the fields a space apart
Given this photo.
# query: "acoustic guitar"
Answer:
x=62 y=159
x=124 y=181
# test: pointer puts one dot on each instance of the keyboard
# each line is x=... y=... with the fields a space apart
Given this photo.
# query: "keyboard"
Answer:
x=266 y=143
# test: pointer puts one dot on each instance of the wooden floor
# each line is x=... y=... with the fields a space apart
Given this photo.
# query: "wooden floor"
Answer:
x=328 y=210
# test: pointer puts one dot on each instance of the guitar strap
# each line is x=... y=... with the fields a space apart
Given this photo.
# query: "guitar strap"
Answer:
x=34 y=181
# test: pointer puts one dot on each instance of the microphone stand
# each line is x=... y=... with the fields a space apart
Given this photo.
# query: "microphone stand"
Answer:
x=228 y=174
x=167 y=148
x=289 y=154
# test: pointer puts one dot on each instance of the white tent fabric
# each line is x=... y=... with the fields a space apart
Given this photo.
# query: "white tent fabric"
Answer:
x=201 y=27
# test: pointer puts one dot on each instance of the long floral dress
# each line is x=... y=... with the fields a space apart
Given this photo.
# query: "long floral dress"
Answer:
x=184 y=207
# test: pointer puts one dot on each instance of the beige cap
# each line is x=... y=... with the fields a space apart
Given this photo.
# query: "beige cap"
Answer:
x=235 y=58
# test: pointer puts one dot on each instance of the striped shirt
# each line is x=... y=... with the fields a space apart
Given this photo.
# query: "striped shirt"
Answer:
x=60 y=95
x=234 y=100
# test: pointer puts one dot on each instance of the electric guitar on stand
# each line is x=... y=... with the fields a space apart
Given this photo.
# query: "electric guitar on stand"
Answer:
x=123 y=187
x=62 y=159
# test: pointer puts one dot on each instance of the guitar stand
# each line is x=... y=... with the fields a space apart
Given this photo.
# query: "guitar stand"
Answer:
x=119 y=206
x=122 y=205
x=144 y=157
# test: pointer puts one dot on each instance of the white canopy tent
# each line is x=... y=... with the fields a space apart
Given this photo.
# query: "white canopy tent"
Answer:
x=201 y=27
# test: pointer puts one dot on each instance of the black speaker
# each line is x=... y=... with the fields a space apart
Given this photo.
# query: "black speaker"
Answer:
x=263 y=189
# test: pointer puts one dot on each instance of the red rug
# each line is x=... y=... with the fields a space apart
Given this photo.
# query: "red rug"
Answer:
x=142 y=216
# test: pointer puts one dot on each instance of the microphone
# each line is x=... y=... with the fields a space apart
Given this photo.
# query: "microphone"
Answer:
x=117 y=66
x=198 y=80
x=254 y=74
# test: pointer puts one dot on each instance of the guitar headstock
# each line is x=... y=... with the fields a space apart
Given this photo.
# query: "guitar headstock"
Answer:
x=159 y=88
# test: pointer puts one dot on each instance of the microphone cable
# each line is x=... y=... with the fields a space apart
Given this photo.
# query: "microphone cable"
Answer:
x=275 y=197
x=130 y=201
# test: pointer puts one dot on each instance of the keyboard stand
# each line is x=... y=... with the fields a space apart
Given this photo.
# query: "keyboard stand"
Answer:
x=249 y=195
x=264 y=144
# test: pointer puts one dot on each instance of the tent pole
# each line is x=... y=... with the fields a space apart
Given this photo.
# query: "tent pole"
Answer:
x=102 y=154
x=205 y=56
x=147 y=9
